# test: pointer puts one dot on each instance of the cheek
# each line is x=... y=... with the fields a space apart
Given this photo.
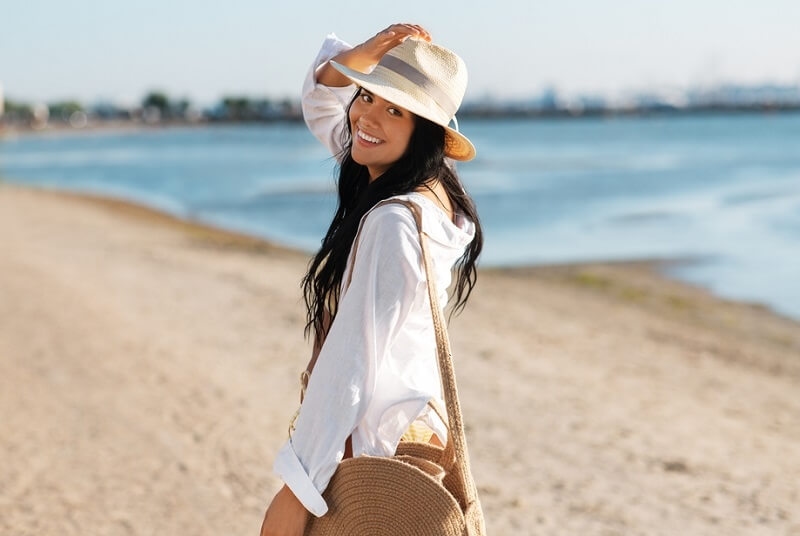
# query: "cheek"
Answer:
x=407 y=132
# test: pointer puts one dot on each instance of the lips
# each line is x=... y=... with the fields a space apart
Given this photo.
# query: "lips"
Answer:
x=367 y=137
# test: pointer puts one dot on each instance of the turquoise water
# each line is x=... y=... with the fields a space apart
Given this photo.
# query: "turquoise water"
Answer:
x=723 y=191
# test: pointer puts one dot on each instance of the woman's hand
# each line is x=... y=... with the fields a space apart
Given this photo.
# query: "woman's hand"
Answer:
x=369 y=53
x=286 y=516
x=373 y=49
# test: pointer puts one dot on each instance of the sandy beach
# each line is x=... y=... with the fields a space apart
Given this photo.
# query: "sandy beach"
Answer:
x=149 y=371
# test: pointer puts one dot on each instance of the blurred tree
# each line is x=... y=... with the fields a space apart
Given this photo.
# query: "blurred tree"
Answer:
x=290 y=109
x=236 y=107
x=157 y=99
x=17 y=111
x=257 y=109
x=64 y=110
x=181 y=107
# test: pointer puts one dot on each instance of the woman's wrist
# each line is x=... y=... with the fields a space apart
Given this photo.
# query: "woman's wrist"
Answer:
x=285 y=515
x=358 y=58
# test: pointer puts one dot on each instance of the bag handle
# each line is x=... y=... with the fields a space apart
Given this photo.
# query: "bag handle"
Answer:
x=455 y=450
x=456 y=447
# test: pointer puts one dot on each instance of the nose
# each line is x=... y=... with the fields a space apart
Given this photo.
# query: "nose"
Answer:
x=367 y=117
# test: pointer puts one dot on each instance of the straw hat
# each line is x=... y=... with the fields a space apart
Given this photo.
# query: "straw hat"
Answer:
x=425 y=79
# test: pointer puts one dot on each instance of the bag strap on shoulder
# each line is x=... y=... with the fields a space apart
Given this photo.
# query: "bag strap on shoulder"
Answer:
x=455 y=451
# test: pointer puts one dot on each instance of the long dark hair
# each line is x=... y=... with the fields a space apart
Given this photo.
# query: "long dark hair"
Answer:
x=423 y=163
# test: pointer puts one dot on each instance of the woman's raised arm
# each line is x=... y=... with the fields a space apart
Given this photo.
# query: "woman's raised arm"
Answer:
x=369 y=53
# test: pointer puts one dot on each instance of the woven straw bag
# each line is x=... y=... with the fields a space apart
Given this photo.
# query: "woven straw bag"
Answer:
x=423 y=489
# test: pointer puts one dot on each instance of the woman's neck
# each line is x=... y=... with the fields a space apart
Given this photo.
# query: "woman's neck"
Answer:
x=435 y=191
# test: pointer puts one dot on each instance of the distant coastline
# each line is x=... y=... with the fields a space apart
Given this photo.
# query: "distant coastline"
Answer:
x=94 y=124
x=655 y=110
x=158 y=109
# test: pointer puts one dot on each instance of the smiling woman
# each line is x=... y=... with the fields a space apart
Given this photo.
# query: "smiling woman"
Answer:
x=384 y=109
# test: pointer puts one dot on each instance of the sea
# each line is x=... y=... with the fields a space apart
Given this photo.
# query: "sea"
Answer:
x=719 y=193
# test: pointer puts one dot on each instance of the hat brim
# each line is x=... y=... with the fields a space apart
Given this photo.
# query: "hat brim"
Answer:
x=457 y=146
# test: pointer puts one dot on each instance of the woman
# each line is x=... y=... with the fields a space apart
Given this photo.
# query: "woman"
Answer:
x=374 y=363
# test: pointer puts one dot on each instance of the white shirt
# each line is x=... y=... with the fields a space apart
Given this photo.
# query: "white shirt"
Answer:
x=378 y=368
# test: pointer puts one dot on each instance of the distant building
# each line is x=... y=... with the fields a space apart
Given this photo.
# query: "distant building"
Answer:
x=549 y=100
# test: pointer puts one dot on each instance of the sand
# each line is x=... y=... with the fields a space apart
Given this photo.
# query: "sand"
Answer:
x=148 y=370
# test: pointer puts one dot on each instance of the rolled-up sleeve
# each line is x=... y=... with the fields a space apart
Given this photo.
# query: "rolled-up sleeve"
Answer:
x=324 y=107
x=387 y=279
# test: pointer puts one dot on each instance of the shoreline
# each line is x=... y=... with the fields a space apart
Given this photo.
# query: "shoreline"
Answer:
x=111 y=127
x=150 y=369
x=658 y=267
x=639 y=284
x=566 y=114
x=212 y=234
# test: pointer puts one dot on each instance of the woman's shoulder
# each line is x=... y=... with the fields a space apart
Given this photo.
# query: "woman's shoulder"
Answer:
x=389 y=216
x=435 y=222
x=401 y=206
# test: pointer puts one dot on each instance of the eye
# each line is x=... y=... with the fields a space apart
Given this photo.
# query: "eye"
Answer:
x=365 y=97
x=395 y=112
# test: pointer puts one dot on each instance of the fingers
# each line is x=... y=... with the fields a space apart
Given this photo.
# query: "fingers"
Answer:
x=374 y=48
x=403 y=31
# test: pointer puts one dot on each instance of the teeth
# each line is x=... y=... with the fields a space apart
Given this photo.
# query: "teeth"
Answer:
x=367 y=137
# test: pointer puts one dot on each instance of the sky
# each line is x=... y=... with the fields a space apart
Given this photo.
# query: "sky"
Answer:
x=116 y=51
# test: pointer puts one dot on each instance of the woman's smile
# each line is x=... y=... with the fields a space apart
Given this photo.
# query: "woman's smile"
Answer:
x=367 y=138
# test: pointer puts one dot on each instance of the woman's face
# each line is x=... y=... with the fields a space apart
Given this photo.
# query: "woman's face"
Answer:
x=381 y=132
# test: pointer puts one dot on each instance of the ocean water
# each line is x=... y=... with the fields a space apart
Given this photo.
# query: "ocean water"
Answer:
x=720 y=191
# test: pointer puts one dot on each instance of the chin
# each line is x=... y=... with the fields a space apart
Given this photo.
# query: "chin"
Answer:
x=357 y=158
